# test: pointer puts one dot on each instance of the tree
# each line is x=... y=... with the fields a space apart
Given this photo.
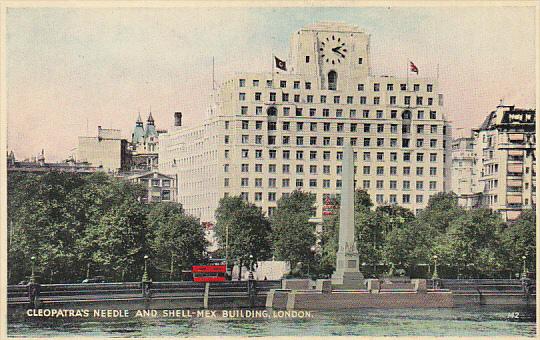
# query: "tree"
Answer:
x=472 y=243
x=248 y=230
x=292 y=234
x=178 y=239
x=518 y=240
x=442 y=208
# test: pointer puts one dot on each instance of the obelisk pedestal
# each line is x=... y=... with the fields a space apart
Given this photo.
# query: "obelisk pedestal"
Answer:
x=347 y=273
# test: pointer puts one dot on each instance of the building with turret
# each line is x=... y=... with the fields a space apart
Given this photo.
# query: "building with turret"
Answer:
x=145 y=144
x=267 y=134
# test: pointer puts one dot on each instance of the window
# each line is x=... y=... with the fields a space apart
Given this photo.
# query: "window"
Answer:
x=242 y=96
x=258 y=110
x=285 y=182
x=406 y=156
x=296 y=85
x=340 y=127
x=349 y=99
x=406 y=185
x=271 y=182
x=433 y=128
x=430 y=101
x=393 y=185
x=419 y=198
x=380 y=170
x=339 y=113
x=419 y=143
x=258 y=196
x=296 y=98
x=286 y=140
x=339 y=155
x=244 y=182
x=380 y=156
x=286 y=168
x=226 y=125
x=406 y=198
x=272 y=96
x=313 y=169
x=299 y=140
x=272 y=126
x=393 y=142
x=367 y=156
x=433 y=143
x=419 y=101
x=244 y=110
x=299 y=126
x=376 y=100
x=376 y=87
x=283 y=84
x=258 y=167
x=308 y=84
x=299 y=183
x=245 y=153
x=299 y=155
x=258 y=153
x=360 y=87
x=419 y=171
x=366 y=141
x=271 y=153
x=429 y=88
x=269 y=83
x=352 y=113
x=416 y=87
x=363 y=100
x=326 y=155
x=379 y=198
x=245 y=139
x=257 y=96
x=393 y=170
x=420 y=114
x=419 y=157
x=336 y=99
x=312 y=140
x=242 y=83
x=406 y=170
x=392 y=100
x=432 y=185
x=313 y=155
x=332 y=80
x=403 y=87
x=393 y=156
x=379 y=184
x=365 y=184
x=271 y=197
x=285 y=97
x=226 y=139
x=323 y=99
x=379 y=114
x=407 y=100
x=226 y=182
x=380 y=128
x=380 y=141
x=309 y=98
x=258 y=182
x=226 y=167
x=258 y=125
x=433 y=171
x=432 y=157
x=432 y=115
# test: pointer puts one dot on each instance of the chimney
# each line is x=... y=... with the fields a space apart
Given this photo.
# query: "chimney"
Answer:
x=178 y=119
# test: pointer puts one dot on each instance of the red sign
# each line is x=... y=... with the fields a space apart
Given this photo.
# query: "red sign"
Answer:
x=209 y=269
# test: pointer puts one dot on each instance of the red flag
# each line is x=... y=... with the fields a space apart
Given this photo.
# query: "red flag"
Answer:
x=413 y=67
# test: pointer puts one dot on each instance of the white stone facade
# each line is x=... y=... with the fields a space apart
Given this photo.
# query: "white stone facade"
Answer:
x=268 y=134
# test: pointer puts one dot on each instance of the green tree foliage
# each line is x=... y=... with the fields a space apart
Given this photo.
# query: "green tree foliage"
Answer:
x=292 y=234
x=72 y=221
x=518 y=240
x=178 y=240
x=248 y=230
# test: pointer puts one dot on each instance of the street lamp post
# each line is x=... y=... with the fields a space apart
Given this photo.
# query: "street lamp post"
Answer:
x=33 y=276
x=88 y=270
x=145 y=274
x=435 y=274
x=524 y=273
x=251 y=277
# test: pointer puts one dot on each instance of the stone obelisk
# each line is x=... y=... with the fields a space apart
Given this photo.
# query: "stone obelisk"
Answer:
x=347 y=271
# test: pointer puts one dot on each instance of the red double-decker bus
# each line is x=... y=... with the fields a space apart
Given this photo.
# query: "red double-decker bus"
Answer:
x=214 y=271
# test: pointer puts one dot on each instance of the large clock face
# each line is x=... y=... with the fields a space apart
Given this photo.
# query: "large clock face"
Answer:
x=333 y=50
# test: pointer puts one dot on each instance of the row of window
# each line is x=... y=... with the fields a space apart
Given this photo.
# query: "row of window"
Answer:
x=366 y=170
x=326 y=183
x=363 y=100
x=307 y=85
x=379 y=198
x=340 y=127
x=286 y=140
x=299 y=112
x=272 y=154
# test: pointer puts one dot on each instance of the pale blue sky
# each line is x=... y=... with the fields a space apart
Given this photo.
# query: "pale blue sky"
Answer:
x=69 y=66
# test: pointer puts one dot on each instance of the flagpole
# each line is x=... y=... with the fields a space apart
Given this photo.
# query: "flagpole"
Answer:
x=272 y=70
x=407 y=75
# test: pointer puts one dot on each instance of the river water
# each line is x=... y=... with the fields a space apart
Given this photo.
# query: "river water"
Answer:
x=471 y=321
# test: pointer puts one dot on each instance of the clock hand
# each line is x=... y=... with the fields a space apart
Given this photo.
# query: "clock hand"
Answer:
x=336 y=49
